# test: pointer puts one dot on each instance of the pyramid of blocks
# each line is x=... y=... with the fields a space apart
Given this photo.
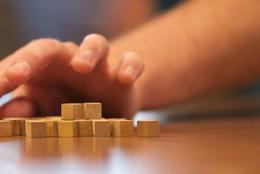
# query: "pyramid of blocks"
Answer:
x=78 y=120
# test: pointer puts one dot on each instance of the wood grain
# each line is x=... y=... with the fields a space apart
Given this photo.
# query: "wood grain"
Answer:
x=92 y=110
x=72 y=111
x=122 y=128
x=67 y=128
x=35 y=128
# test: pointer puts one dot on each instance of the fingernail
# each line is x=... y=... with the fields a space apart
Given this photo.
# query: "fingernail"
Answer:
x=130 y=71
x=88 y=56
x=20 y=67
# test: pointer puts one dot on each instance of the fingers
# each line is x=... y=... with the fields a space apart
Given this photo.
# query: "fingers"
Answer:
x=18 y=72
x=33 y=58
x=29 y=60
x=71 y=47
x=18 y=107
x=92 y=50
x=131 y=67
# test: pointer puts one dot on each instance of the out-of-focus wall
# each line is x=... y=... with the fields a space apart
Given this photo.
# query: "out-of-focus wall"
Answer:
x=73 y=19
x=24 y=20
x=7 y=33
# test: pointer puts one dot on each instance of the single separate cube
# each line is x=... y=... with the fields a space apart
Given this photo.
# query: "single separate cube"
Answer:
x=35 y=128
x=52 y=128
x=67 y=128
x=6 y=128
x=122 y=128
x=85 y=128
x=92 y=110
x=148 y=128
x=102 y=128
x=72 y=111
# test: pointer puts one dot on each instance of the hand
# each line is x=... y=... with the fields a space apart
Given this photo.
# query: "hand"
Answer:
x=46 y=72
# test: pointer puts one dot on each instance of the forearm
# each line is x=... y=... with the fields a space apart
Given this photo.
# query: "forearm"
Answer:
x=198 y=48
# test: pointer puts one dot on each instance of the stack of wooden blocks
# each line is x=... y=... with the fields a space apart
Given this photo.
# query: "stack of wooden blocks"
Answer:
x=77 y=120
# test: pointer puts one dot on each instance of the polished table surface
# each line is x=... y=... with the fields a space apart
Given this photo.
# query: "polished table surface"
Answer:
x=224 y=145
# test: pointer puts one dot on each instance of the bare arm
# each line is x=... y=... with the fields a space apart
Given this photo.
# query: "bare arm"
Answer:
x=199 y=48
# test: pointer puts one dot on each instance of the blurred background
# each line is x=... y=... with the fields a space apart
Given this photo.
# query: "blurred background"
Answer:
x=67 y=20
x=22 y=21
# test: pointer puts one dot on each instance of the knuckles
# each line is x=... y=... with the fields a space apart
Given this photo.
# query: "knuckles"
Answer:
x=46 y=45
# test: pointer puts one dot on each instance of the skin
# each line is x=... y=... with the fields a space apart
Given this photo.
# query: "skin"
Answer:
x=199 y=48
x=45 y=73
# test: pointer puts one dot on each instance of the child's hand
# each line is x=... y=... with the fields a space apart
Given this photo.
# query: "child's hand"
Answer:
x=45 y=73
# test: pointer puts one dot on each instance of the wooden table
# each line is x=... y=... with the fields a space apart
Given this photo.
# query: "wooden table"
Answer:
x=212 y=146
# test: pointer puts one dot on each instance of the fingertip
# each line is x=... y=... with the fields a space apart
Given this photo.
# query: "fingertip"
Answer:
x=98 y=42
x=133 y=59
x=84 y=61
x=127 y=77
x=92 y=50
x=131 y=67
x=18 y=72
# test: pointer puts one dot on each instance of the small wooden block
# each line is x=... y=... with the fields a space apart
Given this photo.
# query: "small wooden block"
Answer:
x=67 y=128
x=5 y=128
x=16 y=125
x=35 y=128
x=85 y=128
x=148 y=128
x=101 y=128
x=52 y=128
x=72 y=111
x=92 y=110
x=122 y=128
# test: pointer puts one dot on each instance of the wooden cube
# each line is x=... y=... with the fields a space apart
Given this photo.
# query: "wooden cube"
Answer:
x=52 y=128
x=85 y=128
x=35 y=128
x=92 y=110
x=122 y=128
x=16 y=126
x=6 y=129
x=148 y=128
x=101 y=128
x=67 y=128
x=72 y=111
